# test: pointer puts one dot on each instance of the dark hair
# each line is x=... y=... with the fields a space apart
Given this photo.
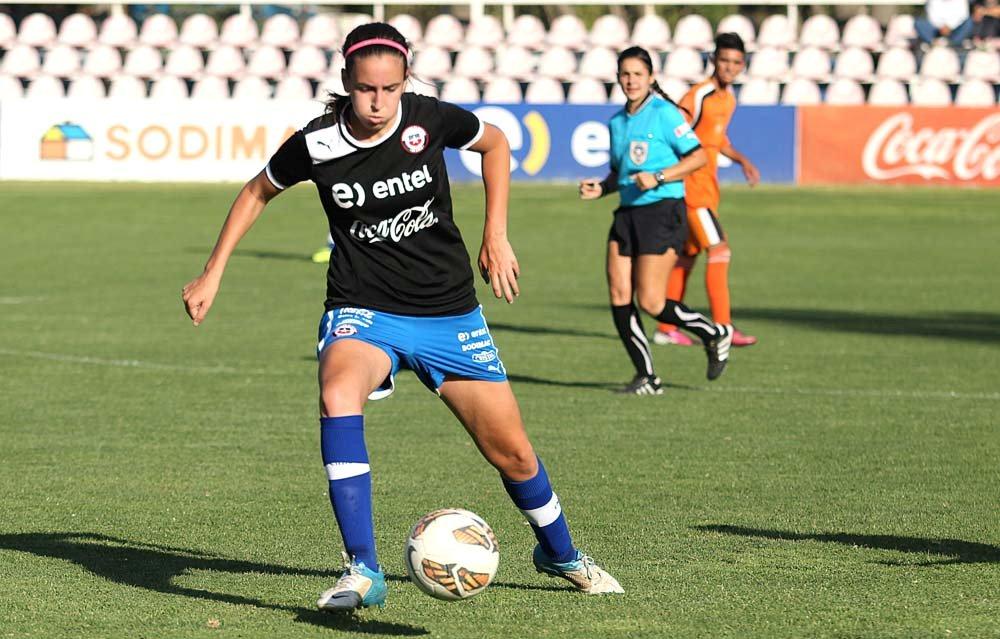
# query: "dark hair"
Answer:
x=643 y=56
x=729 y=41
x=335 y=103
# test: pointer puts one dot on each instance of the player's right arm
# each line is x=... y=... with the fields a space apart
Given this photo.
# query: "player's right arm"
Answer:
x=199 y=293
x=592 y=188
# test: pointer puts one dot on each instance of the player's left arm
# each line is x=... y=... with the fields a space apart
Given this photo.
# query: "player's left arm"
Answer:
x=497 y=262
x=750 y=171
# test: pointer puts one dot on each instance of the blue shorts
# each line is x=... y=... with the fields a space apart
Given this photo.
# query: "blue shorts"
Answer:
x=432 y=347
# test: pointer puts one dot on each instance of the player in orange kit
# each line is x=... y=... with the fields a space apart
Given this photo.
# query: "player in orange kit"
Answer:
x=710 y=105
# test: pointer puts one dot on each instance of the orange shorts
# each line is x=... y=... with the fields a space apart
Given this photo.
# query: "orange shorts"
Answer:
x=704 y=230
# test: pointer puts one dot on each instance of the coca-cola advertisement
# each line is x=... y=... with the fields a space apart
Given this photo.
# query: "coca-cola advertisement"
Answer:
x=886 y=145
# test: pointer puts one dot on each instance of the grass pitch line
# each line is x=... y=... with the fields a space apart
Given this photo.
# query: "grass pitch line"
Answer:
x=887 y=393
x=132 y=363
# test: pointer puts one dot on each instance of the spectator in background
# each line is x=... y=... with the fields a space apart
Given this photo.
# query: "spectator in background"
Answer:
x=985 y=22
x=945 y=19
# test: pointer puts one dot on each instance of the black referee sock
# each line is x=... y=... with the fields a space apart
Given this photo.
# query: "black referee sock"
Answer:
x=680 y=315
x=630 y=330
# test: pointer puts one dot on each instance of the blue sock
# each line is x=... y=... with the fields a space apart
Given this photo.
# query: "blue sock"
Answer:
x=342 y=440
x=541 y=508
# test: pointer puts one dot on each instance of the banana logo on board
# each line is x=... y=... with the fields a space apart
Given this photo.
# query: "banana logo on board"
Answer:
x=539 y=140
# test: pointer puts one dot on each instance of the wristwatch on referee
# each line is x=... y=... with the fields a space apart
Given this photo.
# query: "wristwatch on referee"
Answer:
x=660 y=180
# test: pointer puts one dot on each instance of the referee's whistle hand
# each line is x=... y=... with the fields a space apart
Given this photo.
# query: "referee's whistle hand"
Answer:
x=590 y=189
x=644 y=181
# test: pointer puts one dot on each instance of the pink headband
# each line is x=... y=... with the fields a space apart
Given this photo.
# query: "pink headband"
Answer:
x=382 y=41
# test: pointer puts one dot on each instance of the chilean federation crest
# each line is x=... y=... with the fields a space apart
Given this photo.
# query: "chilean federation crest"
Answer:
x=414 y=139
x=638 y=152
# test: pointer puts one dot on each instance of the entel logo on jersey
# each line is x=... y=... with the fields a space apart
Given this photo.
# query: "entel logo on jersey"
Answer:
x=414 y=139
x=348 y=195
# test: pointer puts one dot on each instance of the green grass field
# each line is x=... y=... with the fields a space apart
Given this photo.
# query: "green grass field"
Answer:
x=841 y=480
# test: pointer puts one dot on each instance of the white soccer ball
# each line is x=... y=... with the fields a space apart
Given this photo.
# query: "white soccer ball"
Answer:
x=452 y=554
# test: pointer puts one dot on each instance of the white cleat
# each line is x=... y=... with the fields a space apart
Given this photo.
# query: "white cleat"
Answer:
x=585 y=575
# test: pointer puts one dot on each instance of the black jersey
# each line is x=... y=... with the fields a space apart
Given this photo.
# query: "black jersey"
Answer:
x=388 y=203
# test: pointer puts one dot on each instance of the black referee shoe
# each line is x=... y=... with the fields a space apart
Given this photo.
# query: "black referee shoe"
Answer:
x=717 y=350
x=643 y=385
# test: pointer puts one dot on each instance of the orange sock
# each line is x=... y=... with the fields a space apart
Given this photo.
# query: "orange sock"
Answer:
x=717 y=283
x=676 y=285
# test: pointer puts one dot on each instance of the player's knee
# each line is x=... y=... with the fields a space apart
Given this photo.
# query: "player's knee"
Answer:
x=516 y=464
x=619 y=295
x=336 y=399
x=651 y=302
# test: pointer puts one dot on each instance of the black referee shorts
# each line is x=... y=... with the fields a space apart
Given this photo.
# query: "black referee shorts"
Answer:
x=651 y=229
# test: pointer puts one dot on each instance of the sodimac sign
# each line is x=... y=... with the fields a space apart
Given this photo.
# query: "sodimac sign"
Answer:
x=850 y=145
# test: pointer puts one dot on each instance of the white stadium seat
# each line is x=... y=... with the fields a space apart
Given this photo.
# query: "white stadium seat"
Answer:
x=8 y=31
x=651 y=32
x=900 y=30
x=350 y=21
x=118 y=30
x=267 y=62
x=502 y=91
x=485 y=31
x=812 y=63
x=897 y=64
x=801 y=92
x=21 y=60
x=527 y=31
x=332 y=84
x=78 y=30
x=432 y=63
x=252 y=88
x=693 y=31
x=741 y=26
x=888 y=92
x=158 y=30
x=86 y=87
x=845 y=92
x=336 y=64
x=10 y=87
x=941 y=63
x=143 y=62
x=545 y=91
x=567 y=31
x=515 y=62
x=982 y=64
x=461 y=90
x=210 y=87
x=855 y=63
x=930 y=92
x=199 y=30
x=280 y=30
x=674 y=88
x=45 y=87
x=239 y=30
x=769 y=63
x=557 y=62
x=61 y=60
x=684 y=63
x=820 y=30
x=862 y=31
x=307 y=61
x=225 y=62
x=422 y=88
x=609 y=30
x=600 y=63
x=409 y=27
x=759 y=91
x=168 y=88
x=776 y=31
x=184 y=61
x=444 y=30
x=102 y=61
x=293 y=87
x=975 y=93
x=127 y=87
x=322 y=30
x=617 y=95
x=473 y=62
x=37 y=30
x=587 y=91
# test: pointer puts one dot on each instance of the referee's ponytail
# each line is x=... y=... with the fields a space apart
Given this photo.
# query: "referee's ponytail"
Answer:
x=643 y=56
x=375 y=38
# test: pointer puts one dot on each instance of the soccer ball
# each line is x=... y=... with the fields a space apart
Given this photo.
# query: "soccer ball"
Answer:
x=452 y=554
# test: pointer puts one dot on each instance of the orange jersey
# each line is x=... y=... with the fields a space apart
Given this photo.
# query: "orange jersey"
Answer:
x=709 y=109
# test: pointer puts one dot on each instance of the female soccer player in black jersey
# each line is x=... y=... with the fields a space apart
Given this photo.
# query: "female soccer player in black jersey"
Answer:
x=652 y=149
x=400 y=295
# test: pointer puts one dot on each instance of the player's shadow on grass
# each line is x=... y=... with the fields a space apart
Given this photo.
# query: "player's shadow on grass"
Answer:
x=154 y=567
x=956 y=551
x=608 y=386
x=961 y=325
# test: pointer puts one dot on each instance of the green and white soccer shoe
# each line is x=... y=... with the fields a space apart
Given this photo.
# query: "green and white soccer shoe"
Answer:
x=585 y=575
x=358 y=587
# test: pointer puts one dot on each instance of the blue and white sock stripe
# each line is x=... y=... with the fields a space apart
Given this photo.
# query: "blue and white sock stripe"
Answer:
x=346 y=470
x=545 y=514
